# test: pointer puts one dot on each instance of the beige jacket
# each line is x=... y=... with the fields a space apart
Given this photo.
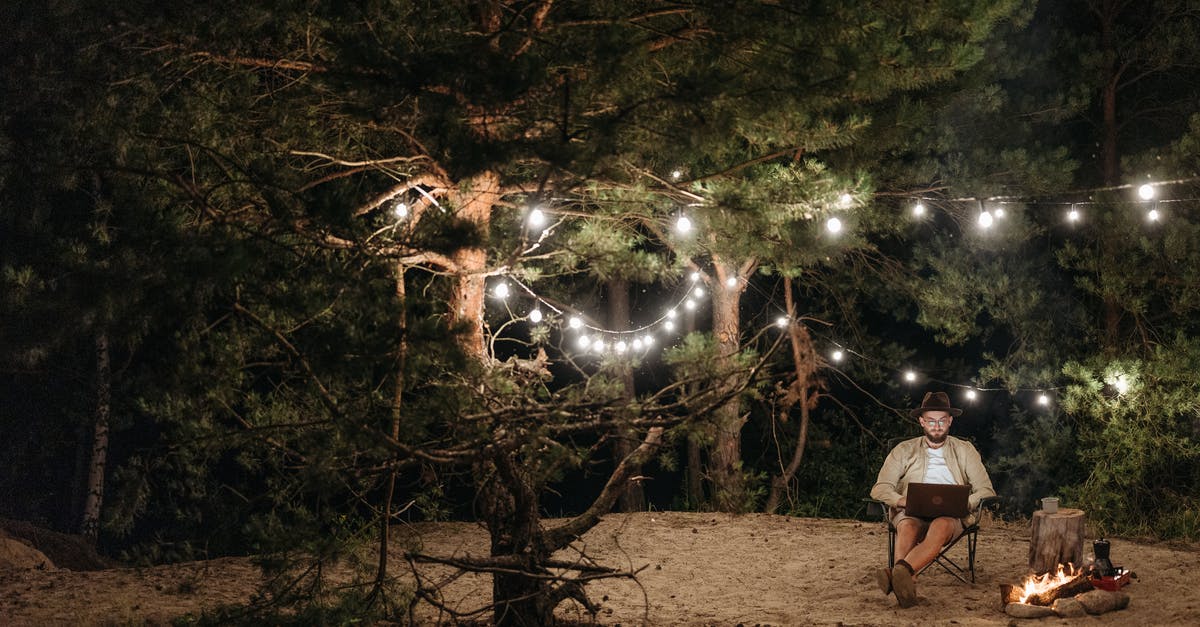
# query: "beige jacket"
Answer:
x=906 y=464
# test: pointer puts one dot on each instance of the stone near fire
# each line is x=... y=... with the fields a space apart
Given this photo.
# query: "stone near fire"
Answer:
x=1101 y=601
x=1025 y=610
x=1068 y=608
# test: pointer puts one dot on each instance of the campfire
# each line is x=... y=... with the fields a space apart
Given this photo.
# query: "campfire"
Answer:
x=1066 y=592
x=1044 y=589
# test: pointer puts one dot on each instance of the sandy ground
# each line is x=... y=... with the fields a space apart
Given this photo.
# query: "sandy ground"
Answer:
x=699 y=569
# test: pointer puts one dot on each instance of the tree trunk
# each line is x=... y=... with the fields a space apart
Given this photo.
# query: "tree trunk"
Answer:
x=90 y=526
x=1056 y=539
x=474 y=206
x=385 y=515
x=729 y=485
x=1110 y=161
x=510 y=509
x=804 y=358
x=633 y=498
x=695 y=461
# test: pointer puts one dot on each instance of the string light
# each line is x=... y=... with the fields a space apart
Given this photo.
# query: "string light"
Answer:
x=535 y=316
x=400 y=211
x=690 y=304
x=676 y=175
x=837 y=355
x=1043 y=399
x=985 y=219
x=637 y=344
x=671 y=313
x=1146 y=191
x=971 y=395
x=1073 y=214
x=834 y=225
x=698 y=292
x=845 y=200
x=695 y=276
x=1121 y=384
x=1153 y=215
x=599 y=345
x=537 y=217
x=583 y=342
x=669 y=326
x=575 y=322
x=910 y=376
x=620 y=347
x=683 y=225
x=500 y=291
x=918 y=209
x=731 y=282
x=781 y=321
x=998 y=212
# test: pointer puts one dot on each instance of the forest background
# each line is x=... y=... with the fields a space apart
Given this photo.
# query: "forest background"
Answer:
x=254 y=261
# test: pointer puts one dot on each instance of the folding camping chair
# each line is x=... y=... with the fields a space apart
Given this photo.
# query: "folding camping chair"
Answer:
x=943 y=559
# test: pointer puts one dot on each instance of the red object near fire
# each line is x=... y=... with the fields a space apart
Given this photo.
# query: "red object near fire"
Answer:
x=1112 y=583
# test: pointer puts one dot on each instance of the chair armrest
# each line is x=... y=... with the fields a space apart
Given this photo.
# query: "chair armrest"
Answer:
x=987 y=502
x=876 y=508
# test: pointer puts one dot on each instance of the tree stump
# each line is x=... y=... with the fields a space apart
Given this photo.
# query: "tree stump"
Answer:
x=1056 y=539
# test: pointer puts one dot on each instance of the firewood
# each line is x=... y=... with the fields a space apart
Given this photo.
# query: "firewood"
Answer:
x=1101 y=601
x=1079 y=583
x=1025 y=610
x=1056 y=539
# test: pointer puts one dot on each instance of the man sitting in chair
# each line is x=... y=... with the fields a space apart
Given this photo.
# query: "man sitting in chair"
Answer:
x=935 y=457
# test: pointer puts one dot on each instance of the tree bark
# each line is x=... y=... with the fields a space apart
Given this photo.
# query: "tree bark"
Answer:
x=90 y=526
x=474 y=206
x=1056 y=539
x=725 y=470
x=633 y=498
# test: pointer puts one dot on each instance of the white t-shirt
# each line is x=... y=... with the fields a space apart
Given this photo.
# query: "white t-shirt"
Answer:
x=936 y=470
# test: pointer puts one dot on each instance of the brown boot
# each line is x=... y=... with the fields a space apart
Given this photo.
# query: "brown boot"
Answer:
x=883 y=577
x=903 y=584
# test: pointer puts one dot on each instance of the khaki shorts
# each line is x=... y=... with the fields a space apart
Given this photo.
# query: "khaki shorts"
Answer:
x=898 y=515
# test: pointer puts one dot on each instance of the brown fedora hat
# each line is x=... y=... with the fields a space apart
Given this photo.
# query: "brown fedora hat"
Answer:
x=935 y=401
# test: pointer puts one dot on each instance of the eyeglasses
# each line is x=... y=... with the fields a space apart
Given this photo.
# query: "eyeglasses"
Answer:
x=940 y=422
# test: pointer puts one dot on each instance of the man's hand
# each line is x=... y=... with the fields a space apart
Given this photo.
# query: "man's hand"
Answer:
x=902 y=502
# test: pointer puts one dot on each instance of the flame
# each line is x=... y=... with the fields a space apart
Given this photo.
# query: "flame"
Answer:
x=1045 y=583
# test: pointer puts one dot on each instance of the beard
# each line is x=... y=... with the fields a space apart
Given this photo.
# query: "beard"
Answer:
x=936 y=439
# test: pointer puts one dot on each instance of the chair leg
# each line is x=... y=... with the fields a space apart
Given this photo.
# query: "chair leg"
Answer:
x=891 y=546
x=972 y=540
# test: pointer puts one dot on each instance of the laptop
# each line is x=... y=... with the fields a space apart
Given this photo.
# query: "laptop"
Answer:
x=930 y=500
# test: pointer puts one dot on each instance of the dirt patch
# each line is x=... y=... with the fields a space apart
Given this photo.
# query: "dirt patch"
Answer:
x=701 y=569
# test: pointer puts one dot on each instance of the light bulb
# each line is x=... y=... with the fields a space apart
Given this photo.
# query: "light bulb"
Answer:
x=689 y=305
x=537 y=217
x=731 y=282
x=676 y=174
x=998 y=212
x=574 y=322
x=837 y=355
x=599 y=346
x=669 y=326
x=583 y=342
x=400 y=210
x=671 y=313
x=637 y=344
x=781 y=321
x=1122 y=384
x=846 y=200
x=500 y=291
x=1043 y=399
x=970 y=395
x=535 y=316
x=620 y=347
x=1153 y=215
x=1146 y=192
x=985 y=219
x=683 y=225
x=834 y=225
x=910 y=376
x=698 y=292
x=648 y=340
x=918 y=209
x=1073 y=215
x=695 y=276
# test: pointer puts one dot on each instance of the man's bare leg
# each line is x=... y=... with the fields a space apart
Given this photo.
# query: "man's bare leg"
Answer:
x=941 y=530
